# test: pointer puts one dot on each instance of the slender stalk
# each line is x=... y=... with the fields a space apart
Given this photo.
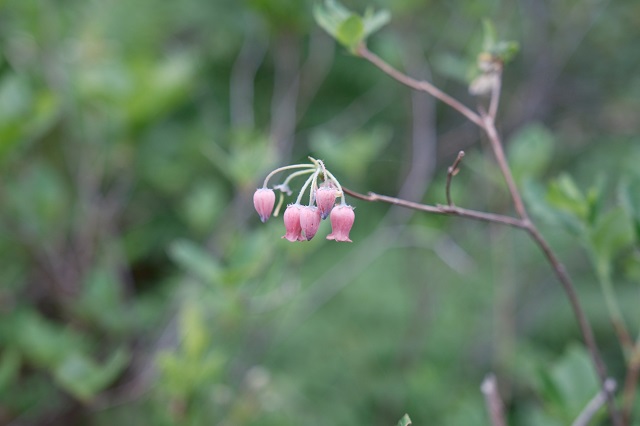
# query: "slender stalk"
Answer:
x=334 y=180
x=421 y=85
x=496 y=145
x=451 y=172
x=583 y=322
x=282 y=169
x=306 y=184
x=615 y=313
x=296 y=174
x=440 y=209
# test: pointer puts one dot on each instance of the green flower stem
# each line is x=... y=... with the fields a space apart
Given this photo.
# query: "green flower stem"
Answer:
x=296 y=174
x=306 y=184
x=276 y=211
x=615 y=313
x=281 y=169
x=334 y=180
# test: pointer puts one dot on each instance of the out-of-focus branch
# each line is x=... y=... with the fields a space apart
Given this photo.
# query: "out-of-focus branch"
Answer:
x=595 y=404
x=495 y=407
x=424 y=86
x=315 y=69
x=243 y=75
x=631 y=383
x=285 y=93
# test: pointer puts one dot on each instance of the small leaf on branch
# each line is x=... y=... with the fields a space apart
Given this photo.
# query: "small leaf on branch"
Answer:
x=350 y=31
x=348 y=28
x=404 y=421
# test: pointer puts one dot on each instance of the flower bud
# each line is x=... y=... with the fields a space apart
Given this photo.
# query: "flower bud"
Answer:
x=264 y=200
x=309 y=221
x=292 y=223
x=325 y=199
x=342 y=217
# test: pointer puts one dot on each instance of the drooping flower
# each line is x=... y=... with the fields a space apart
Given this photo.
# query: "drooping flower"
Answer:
x=325 y=199
x=264 y=200
x=309 y=221
x=342 y=217
x=292 y=223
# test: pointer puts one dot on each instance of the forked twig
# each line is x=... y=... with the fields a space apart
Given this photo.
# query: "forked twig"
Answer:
x=451 y=172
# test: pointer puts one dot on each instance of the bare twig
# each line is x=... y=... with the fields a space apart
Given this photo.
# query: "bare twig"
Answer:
x=486 y=121
x=594 y=405
x=451 y=172
x=496 y=145
x=424 y=86
x=493 y=401
x=441 y=209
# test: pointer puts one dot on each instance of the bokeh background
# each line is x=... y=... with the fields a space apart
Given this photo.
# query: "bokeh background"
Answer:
x=138 y=286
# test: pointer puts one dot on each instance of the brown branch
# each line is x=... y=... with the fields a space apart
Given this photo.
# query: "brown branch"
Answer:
x=583 y=323
x=496 y=145
x=487 y=123
x=493 y=401
x=451 y=172
x=440 y=209
x=630 y=383
x=421 y=85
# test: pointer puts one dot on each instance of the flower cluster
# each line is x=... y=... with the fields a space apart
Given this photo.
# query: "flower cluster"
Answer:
x=301 y=222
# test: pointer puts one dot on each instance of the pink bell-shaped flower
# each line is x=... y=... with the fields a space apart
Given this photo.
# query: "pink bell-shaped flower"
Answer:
x=342 y=217
x=264 y=200
x=292 y=223
x=309 y=221
x=325 y=199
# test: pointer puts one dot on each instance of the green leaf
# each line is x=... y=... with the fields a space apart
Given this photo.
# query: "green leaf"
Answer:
x=100 y=302
x=404 y=421
x=40 y=341
x=84 y=378
x=611 y=233
x=374 y=21
x=193 y=331
x=629 y=193
x=575 y=379
x=530 y=151
x=564 y=194
x=196 y=261
x=537 y=201
x=9 y=367
x=506 y=50
x=489 y=35
x=501 y=49
x=350 y=31
x=348 y=28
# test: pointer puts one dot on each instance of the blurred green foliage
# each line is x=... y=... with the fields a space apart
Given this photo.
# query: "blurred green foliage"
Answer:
x=137 y=285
